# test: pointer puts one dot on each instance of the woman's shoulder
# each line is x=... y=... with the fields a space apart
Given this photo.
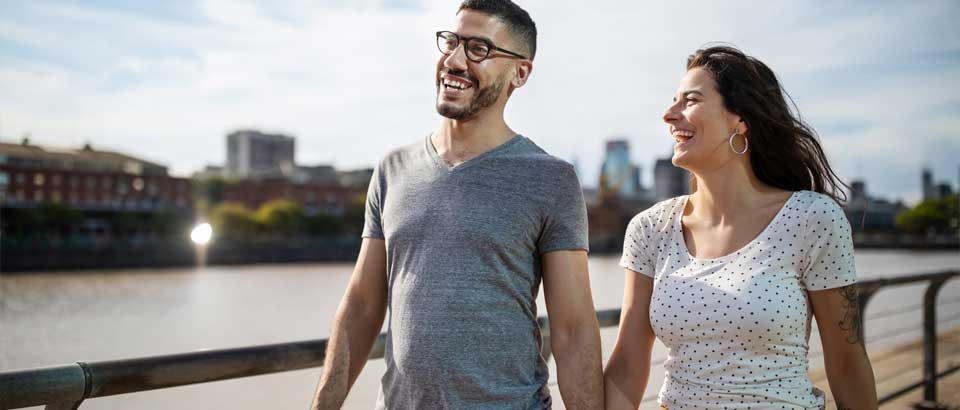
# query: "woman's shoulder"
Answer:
x=810 y=202
x=659 y=215
x=817 y=208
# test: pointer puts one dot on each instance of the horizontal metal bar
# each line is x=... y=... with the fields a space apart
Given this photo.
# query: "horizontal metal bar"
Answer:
x=908 y=389
x=902 y=280
x=75 y=382
x=40 y=386
x=133 y=375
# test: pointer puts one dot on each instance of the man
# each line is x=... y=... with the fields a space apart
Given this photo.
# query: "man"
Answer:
x=460 y=228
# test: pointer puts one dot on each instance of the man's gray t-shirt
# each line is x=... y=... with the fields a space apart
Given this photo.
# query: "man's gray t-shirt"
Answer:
x=464 y=248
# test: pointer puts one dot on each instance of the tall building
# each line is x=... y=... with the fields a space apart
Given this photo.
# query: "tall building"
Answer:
x=668 y=180
x=858 y=192
x=929 y=190
x=253 y=154
x=933 y=190
x=870 y=214
x=618 y=173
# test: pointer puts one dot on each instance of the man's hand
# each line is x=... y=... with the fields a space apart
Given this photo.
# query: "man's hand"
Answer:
x=574 y=332
x=355 y=327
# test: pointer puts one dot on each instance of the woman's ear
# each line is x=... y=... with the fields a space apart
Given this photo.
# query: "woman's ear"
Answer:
x=740 y=126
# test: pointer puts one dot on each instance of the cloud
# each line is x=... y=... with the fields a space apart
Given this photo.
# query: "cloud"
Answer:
x=353 y=78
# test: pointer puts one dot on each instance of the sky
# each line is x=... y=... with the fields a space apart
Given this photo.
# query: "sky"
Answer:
x=352 y=79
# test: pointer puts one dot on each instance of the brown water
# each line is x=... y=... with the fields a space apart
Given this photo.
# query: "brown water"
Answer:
x=63 y=317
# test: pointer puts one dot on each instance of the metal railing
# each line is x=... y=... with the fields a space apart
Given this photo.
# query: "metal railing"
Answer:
x=67 y=386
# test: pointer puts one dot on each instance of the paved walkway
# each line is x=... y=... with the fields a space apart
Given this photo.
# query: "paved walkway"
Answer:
x=902 y=366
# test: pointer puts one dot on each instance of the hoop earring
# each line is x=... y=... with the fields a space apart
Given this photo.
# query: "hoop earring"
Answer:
x=746 y=144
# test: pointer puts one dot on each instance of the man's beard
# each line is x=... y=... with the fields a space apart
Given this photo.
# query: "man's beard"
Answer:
x=485 y=97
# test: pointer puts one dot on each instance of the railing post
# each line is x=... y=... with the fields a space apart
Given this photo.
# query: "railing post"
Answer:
x=864 y=293
x=546 y=349
x=930 y=339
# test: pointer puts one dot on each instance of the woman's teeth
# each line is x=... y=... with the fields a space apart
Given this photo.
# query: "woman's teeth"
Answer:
x=682 y=135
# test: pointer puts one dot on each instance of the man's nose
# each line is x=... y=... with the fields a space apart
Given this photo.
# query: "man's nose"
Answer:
x=457 y=60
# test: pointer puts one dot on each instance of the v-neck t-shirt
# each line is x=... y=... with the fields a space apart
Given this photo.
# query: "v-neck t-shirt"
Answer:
x=464 y=248
x=737 y=327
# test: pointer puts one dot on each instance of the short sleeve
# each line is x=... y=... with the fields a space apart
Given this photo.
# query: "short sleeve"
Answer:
x=565 y=223
x=372 y=226
x=636 y=247
x=829 y=261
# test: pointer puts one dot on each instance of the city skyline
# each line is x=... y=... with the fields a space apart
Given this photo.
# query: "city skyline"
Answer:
x=174 y=79
x=328 y=174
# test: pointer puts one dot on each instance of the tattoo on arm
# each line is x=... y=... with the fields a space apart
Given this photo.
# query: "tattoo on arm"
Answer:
x=851 y=313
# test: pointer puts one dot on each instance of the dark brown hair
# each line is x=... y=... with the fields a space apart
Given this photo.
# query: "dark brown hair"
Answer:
x=518 y=21
x=785 y=152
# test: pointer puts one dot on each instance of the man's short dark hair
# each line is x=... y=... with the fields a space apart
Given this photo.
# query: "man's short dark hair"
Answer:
x=518 y=21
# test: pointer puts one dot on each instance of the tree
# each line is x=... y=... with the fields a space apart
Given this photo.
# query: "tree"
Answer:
x=281 y=216
x=931 y=216
x=233 y=221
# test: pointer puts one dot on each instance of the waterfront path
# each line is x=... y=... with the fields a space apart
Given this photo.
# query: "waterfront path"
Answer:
x=902 y=366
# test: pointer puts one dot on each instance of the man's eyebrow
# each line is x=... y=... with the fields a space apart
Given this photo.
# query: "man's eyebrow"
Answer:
x=476 y=37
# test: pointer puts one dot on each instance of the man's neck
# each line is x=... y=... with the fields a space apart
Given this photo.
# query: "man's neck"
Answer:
x=459 y=141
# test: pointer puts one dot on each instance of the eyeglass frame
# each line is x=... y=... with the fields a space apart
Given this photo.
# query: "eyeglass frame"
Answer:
x=461 y=40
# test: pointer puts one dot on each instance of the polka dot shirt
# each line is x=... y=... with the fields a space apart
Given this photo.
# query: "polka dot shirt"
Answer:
x=737 y=327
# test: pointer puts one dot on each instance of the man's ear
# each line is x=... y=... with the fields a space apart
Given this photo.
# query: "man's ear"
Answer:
x=522 y=73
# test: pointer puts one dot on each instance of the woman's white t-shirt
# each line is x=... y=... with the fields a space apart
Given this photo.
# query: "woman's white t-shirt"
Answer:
x=737 y=326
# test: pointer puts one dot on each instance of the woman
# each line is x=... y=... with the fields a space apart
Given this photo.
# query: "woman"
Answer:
x=729 y=276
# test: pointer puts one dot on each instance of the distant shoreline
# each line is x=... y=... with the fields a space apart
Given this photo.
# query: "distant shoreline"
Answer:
x=306 y=251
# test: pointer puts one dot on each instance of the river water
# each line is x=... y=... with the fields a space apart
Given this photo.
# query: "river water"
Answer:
x=63 y=317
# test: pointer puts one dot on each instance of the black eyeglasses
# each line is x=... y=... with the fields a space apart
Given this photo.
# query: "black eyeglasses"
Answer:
x=477 y=49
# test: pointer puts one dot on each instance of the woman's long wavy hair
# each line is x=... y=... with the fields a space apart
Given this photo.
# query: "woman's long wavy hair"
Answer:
x=784 y=151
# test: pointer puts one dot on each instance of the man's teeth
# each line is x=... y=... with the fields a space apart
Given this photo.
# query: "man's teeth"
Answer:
x=455 y=84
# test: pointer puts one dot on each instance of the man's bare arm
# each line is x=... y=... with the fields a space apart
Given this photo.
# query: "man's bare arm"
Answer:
x=574 y=332
x=355 y=327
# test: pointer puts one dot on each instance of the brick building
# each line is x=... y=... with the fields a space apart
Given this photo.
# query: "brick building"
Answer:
x=332 y=199
x=87 y=179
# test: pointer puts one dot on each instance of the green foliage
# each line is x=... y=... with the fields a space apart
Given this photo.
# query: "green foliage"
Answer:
x=281 y=216
x=933 y=216
x=233 y=221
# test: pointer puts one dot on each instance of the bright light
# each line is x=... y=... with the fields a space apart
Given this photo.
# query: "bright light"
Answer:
x=201 y=234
